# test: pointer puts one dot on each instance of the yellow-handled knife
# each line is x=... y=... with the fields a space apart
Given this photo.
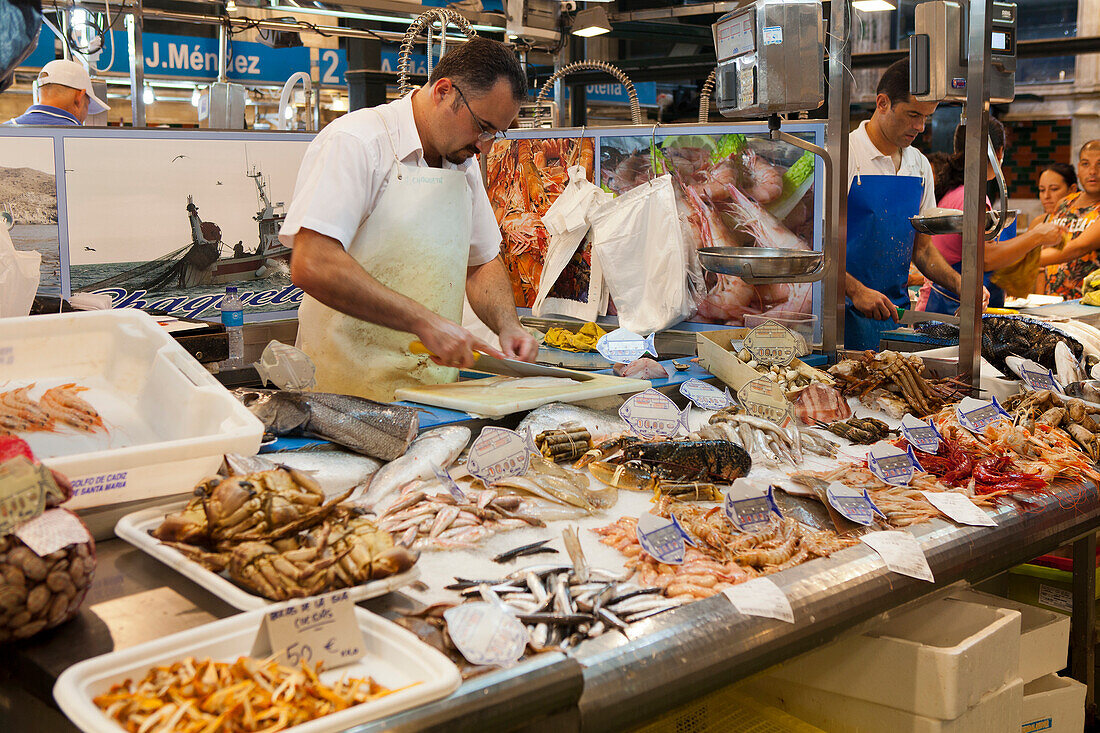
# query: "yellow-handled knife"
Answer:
x=509 y=367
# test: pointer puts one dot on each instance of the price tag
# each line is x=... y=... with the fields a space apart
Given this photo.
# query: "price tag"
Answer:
x=959 y=508
x=486 y=633
x=498 y=453
x=706 y=396
x=687 y=537
x=662 y=538
x=651 y=414
x=977 y=415
x=901 y=552
x=622 y=346
x=772 y=343
x=444 y=477
x=765 y=399
x=921 y=435
x=1038 y=377
x=749 y=506
x=892 y=464
x=761 y=597
x=51 y=531
x=853 y=504
x=316 y=629
x=23 y=489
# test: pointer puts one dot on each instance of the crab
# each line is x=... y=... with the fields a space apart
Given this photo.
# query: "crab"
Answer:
x=364 y=551
x=259 y=506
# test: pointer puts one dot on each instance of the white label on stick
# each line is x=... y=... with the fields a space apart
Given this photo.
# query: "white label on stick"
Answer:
x=901 y=552
x=921 y=435
x=52 y=531
x=661 y=538
x=892 y=464
x=761 y=597
x=772 y=343
x=706 y=396
x=959 y=508
x=486 y=633
x=651 y=414
x=316 y=629
x=498 y=453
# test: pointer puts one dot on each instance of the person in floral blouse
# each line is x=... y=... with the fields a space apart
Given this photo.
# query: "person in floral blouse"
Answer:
x=1079 y=214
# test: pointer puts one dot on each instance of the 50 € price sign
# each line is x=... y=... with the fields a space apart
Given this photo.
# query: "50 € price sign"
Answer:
x=316 y=629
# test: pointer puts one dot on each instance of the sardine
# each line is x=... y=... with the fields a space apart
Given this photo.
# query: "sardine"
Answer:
x=443 y=519
x=435 y=448
x=516 y=552
x=367 y=427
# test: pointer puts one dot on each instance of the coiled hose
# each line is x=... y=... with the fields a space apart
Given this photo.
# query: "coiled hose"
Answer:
x=615 y=71
x=424 y=21
x=704 y=96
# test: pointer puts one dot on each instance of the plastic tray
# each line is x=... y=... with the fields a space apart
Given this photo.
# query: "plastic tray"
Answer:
x=394 y=658
x=169 y=421
x=134 y=528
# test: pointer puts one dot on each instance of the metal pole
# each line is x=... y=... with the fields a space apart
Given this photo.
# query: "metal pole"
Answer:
x=560 y=61
x=973 y=232
x=137 y=65
x=223 y=51
x=836 y=142
x=1083 y=619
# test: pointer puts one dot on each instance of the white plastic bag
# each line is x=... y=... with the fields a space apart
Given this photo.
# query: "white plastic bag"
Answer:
x=640 y=246
x=19 y=274
x=566 y=222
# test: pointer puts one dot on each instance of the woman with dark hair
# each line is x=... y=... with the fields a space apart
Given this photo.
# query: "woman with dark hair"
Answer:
x=1005 y=253
x=1056 y=181
x=1079 y=214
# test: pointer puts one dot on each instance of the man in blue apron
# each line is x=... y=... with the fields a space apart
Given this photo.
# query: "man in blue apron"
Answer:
x=888 y=182
x=391 y=227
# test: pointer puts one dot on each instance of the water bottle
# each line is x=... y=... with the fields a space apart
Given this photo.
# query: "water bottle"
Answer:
x=233 y=319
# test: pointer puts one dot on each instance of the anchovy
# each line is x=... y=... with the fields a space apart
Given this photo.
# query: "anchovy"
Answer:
x=560 y=619
x=521 y=550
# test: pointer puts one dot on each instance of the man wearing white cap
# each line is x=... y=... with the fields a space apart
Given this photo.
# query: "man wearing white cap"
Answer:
x=65 y=96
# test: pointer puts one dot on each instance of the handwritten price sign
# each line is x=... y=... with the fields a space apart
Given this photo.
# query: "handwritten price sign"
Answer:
x=316 y=629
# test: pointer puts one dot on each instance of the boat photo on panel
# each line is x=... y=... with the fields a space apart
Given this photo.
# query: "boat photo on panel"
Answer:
x=28 y=203
x=169 y=229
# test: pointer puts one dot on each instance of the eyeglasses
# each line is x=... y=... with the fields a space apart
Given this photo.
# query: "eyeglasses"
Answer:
x=487 y=133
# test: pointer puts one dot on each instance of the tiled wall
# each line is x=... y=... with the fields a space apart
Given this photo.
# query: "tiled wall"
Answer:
x=1032 y=144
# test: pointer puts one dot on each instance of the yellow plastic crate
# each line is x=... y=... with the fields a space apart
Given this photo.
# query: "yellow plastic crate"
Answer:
x=727 y=710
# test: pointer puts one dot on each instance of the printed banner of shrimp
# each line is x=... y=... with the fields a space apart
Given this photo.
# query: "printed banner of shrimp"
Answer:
x=524 y=177
x=732 y=190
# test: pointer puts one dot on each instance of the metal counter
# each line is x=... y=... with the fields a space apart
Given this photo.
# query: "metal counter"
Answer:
x=612 y=682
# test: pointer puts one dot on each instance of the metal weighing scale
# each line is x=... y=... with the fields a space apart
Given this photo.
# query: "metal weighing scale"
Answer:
x=764 y=51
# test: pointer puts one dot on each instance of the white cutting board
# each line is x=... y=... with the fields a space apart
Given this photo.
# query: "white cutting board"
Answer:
x=493 y=397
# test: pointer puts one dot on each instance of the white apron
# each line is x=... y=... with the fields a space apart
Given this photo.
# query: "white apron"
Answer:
x=417 y=243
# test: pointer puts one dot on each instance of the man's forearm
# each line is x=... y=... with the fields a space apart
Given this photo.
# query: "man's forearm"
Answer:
x=489 y=290
x=322 y=268
x=931 y=263
x=851 y=284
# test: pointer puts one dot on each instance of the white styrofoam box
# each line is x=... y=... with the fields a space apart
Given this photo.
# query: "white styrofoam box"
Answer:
x=168 y=420
x=936 y=660
x=993 y=381
x=1053 y=704
x=995 y=711
x=1044 y=634
x=394 y=657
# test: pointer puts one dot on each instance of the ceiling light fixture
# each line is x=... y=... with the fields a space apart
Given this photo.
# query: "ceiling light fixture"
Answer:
x=591 y=22
x=231 y=6
x=873 y=6
x=147 y=96
x=402 y=20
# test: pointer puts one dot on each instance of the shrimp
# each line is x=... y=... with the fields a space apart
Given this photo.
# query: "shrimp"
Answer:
x=711 y=230
x=761 y=179
x=65 y=405
x=729 y=301
x=749 y=216
x=19 y=413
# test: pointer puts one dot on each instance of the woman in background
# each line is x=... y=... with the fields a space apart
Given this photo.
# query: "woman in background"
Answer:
x=1079 y=215
x=1056 y=181
x=949 y=170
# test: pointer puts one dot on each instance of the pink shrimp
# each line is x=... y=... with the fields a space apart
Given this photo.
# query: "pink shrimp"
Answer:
x=761 y=180
x=729 y=301
x=752 y=218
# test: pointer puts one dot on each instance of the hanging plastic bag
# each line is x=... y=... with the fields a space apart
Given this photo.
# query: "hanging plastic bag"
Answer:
x=19 y=274
x=566 y=222
x=640 y=246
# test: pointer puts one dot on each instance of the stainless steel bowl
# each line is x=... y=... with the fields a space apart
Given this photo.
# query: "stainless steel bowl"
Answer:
x=953 y=223
x=764 y=264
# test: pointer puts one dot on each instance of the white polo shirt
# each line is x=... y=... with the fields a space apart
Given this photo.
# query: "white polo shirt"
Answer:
x=346 y=169
x=864 y=158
